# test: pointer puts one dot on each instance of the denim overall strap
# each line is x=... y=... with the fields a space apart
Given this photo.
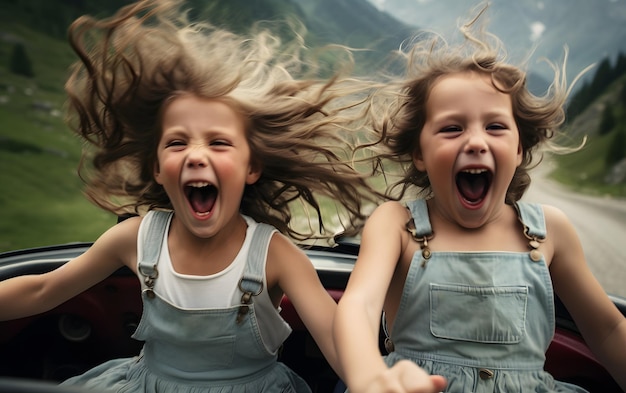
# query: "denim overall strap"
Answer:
x=156 y=228
x=419 y=214
x=251 y=283
x=421 y=230
x=531 y=215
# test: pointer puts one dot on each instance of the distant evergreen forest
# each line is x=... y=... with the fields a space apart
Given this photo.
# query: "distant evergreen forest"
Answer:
x=605 y=75
x=613 y=115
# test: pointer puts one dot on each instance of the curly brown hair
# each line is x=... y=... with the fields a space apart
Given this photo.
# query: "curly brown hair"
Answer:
x=148 y=52
x=398 y=106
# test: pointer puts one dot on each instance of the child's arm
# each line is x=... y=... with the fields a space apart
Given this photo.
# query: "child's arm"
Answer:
x=357 y=320
x=33 y=294
x=600 y=322
x=299 y=281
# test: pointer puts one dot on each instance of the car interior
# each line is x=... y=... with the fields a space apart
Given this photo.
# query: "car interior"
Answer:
x=95 y=326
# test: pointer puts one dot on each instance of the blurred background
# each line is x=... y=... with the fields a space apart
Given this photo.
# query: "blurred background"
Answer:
x=41 y=201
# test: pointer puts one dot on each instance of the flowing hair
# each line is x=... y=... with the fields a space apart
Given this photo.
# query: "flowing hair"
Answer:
x=299 y=125
x=398 y=106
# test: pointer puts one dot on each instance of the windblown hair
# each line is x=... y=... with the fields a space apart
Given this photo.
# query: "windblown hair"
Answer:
x=398 y=109
x=132 y=63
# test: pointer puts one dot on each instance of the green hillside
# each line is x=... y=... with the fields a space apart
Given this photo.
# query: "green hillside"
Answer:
x=40 y=194
x=599 y=168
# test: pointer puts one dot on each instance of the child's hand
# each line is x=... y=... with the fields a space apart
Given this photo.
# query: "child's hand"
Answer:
x=405 y=377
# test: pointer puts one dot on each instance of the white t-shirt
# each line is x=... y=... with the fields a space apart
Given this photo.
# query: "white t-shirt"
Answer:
x=219 y=290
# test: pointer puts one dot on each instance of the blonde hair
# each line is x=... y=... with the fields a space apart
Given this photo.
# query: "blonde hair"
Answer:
x=148 y=52
x=398 y=107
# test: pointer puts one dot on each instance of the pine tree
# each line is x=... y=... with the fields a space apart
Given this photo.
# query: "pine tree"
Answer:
x=608 y=120
x=20 y=63
x=617 y=148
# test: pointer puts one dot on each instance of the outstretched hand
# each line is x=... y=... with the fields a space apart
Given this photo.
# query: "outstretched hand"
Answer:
x=405 y=377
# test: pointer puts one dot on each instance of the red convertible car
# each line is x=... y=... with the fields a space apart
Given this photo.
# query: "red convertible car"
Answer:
x=36 y=352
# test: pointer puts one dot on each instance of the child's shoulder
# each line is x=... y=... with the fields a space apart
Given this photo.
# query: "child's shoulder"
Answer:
x=395 y=207
x=129 y=225
x=390 y=214
x=555 y=218
x=118 y=243
x=122 y=237
x=552 y=216
x=282 y=246
x=126 y=229
x=560 y=231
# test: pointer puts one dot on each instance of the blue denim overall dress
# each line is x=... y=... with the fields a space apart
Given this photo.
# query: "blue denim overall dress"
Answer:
x=191 y=350
x=483 y=320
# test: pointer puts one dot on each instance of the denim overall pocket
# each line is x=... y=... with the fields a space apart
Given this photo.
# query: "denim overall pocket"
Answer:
x=482 y=314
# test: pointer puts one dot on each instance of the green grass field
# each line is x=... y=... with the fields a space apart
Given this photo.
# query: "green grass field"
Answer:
x=41 y=201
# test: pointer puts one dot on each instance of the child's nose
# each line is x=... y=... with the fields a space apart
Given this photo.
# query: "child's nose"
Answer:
x=476 y=143
x=197 y=157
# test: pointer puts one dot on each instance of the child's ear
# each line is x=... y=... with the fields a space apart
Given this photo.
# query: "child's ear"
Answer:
x=156 y=173
x=418 y=161
x=254 y=173
x=520 y=154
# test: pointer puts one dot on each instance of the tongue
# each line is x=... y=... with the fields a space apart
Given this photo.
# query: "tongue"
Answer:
x=201 y=201
x=472 y=187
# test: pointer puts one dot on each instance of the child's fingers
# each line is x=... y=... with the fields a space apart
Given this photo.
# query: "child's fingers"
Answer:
x=439 y=382
x=403 y=377
x=415 y=380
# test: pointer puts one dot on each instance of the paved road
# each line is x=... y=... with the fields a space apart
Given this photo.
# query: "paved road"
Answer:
x=600 y=222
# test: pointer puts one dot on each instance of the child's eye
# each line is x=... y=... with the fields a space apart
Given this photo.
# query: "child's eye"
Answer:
x=220 y=142
x=451 y=129
x=174 y=143
x=497 y=126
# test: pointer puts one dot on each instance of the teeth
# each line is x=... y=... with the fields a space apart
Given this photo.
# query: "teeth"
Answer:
x=474 y=171
x=198 y=184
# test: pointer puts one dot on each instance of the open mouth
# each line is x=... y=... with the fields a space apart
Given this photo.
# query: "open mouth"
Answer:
x=473 y=184
x=201 y=196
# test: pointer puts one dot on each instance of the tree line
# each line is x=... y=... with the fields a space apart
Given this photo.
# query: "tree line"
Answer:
x=613 y=118
x=591 y=89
